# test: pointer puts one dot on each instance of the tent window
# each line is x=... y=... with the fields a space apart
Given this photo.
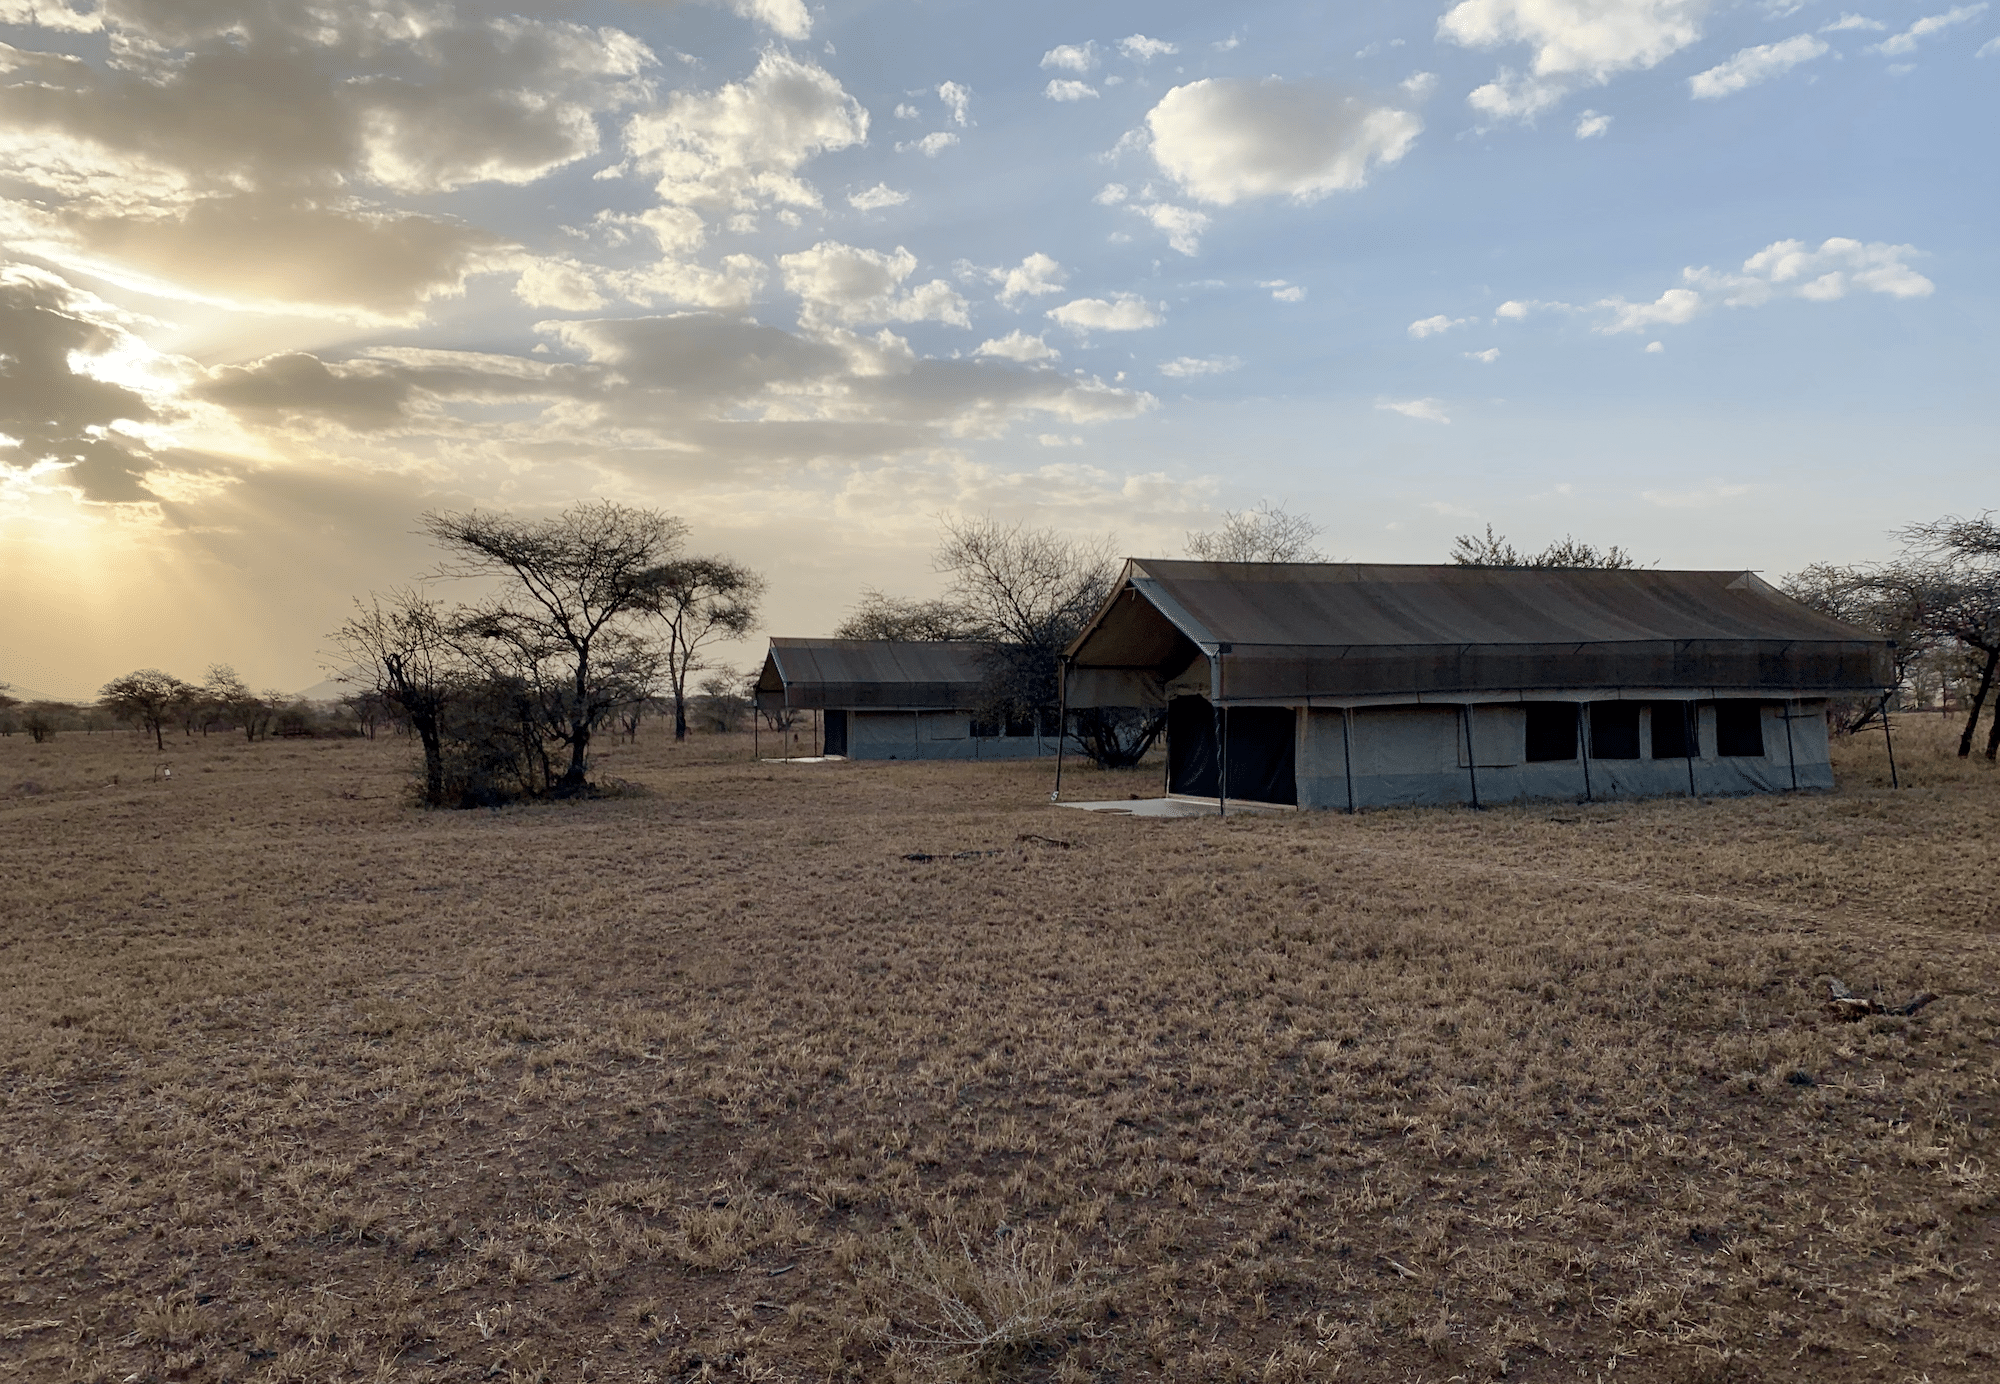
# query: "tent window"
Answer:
x=985 y=730
x=1047 y=721
x=1614 y=730
x=1670 y=729
x=1551 y=731
x=1018 y=725
x=1739 y=729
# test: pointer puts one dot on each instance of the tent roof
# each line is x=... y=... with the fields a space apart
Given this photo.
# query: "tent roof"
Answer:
x=1334 y=629
x=888 y=673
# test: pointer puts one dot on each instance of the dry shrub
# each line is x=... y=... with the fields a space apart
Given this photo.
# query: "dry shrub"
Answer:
x=960 y=1308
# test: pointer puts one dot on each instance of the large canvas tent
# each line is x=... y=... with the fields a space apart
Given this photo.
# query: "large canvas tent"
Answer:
x=896 y=699
x=1359 y=685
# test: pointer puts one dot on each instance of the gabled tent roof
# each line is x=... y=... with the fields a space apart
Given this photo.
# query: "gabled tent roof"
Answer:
x=1363 y=630
x=890 y=673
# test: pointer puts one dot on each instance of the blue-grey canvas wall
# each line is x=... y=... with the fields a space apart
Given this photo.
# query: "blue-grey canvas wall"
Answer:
x=1339 y=685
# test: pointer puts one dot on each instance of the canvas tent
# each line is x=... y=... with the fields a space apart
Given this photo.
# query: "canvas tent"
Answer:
x=896 y=699
x=1349 y=685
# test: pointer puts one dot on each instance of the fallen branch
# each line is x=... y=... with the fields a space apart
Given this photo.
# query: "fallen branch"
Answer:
x=1848 y=1005
x=954 y=855
x=1045 y=840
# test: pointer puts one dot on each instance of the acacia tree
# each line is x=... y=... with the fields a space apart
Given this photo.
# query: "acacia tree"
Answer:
x=572 y=581
x=699 y=601
x=147 y=698
x=1493 y=550
x=1268 y=533
x=1891 y=601
x=881 y=616
x=402 y=651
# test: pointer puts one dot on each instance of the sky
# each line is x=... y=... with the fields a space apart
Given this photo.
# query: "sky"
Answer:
x=1713 y=281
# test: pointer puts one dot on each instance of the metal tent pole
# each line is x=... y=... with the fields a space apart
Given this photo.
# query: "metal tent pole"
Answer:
x=1692 y=719
x=1471 y=755
x=1894 y=782
x=1062 y=723
x=1583 y=747
x=1221 y=740
x=1791 y=755
x=1347 y=752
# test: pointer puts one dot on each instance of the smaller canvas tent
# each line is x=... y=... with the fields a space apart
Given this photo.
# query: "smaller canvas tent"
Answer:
x=1347 y=685
x=896 y=699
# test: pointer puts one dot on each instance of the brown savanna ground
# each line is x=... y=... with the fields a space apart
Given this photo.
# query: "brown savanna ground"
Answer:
x=712 y=1081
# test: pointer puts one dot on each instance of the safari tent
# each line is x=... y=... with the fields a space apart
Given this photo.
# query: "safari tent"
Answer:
x=896 y=699
x=1348 y=686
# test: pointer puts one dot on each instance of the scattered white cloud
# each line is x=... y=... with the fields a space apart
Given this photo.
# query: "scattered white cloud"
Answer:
x=1753 y=65
x=1228 y=139
x=1852 y=21
x=1701 y=497
x=1071 y=57
x=931 y=145
x=1428 y=410
x=1591 y=125
x=957 y=100
x=1224 y=45
x=1139 y=48
x=1785 y=268
x=1485 y=357
x=1019 y=346
x=1654 y=348
x=1058 y=440
x=1672 y=308
x=1186 y=367
x=1112 y=194
x=877 y=197
x=1574 y=43
x=1418 y=86
x=785 y=18
x=1034 y=277
x=906 y=111
x=1906 y=42
x=1431 y=326
x=1069 y=89
x=1988 y=48
x=1182 y=226
x=841 y=284
x=1122 y=312
x=1289 y=293
x=558 y=283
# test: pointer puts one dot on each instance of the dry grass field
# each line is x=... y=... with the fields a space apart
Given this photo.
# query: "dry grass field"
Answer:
x=711 y=1080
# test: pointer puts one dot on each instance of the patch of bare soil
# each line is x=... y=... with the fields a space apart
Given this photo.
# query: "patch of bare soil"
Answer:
x=896 y=1072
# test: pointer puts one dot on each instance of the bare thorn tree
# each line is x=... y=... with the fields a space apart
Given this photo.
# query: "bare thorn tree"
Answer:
x=700 y=601
x=1268 y=533
x=572 y=579
x=402 y=651
x=881 y=616
x=1493 y=550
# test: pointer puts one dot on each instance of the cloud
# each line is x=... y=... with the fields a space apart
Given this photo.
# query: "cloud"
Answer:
x=1071 y=57
x=1426 y=410
x=740 y=147
x=1851 y=21
x=845 y=285
x=785 y=18
x=1906 y=42
x=558 y=283
x=1112 y=194
x=906 y=111
x=1672 y=308
x=1654 y=348
x=733 y=285
x=1573 y=43
x=1288 y=293
x=1431 y=326
x=1419 y=85
x=931 y=145
x=1141 y=49
x=1753 y=65
x=1783 y=269
x=1228 y=139
x=1702 y=497
x=1122 y=312
x=1186 y=367
x=1591 y=125
x=1485 y=357
x=1033 y=277
x=1069 y=89
x=877 y=197
x=957 y=99
x=1182 y=226
x=1988 y=48
x=1018 y=346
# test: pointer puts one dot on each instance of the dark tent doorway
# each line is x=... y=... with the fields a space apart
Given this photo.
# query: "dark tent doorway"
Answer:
x=835 y=731
x=1263 y=751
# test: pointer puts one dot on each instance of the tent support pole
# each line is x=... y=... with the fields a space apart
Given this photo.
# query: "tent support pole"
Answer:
x=756 y=731
x=1062 y=724
x=916 y=735
x=1347 y=752
x=1691 y=720
x=1583 y=747
x=1471 y=755
x=1791 y=754
x=1886 y=740
x=1221 y=742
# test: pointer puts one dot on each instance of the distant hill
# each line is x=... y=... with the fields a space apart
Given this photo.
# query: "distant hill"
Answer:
x=326 y=690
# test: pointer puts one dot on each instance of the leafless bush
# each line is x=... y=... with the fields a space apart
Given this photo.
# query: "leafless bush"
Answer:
x=967 y=1307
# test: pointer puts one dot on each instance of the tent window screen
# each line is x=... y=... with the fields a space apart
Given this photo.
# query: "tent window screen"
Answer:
x=1614 y=730
x=1551 y=731
x=1263 y=751
x=1739 y=729
x=1672 y=721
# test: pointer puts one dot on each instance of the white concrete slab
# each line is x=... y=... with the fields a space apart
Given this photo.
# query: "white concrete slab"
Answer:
x=1165 y=807
x=808 y=759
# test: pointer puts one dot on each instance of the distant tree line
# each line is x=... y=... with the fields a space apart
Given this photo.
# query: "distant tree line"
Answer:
x=158 y=703
x=596 y=616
